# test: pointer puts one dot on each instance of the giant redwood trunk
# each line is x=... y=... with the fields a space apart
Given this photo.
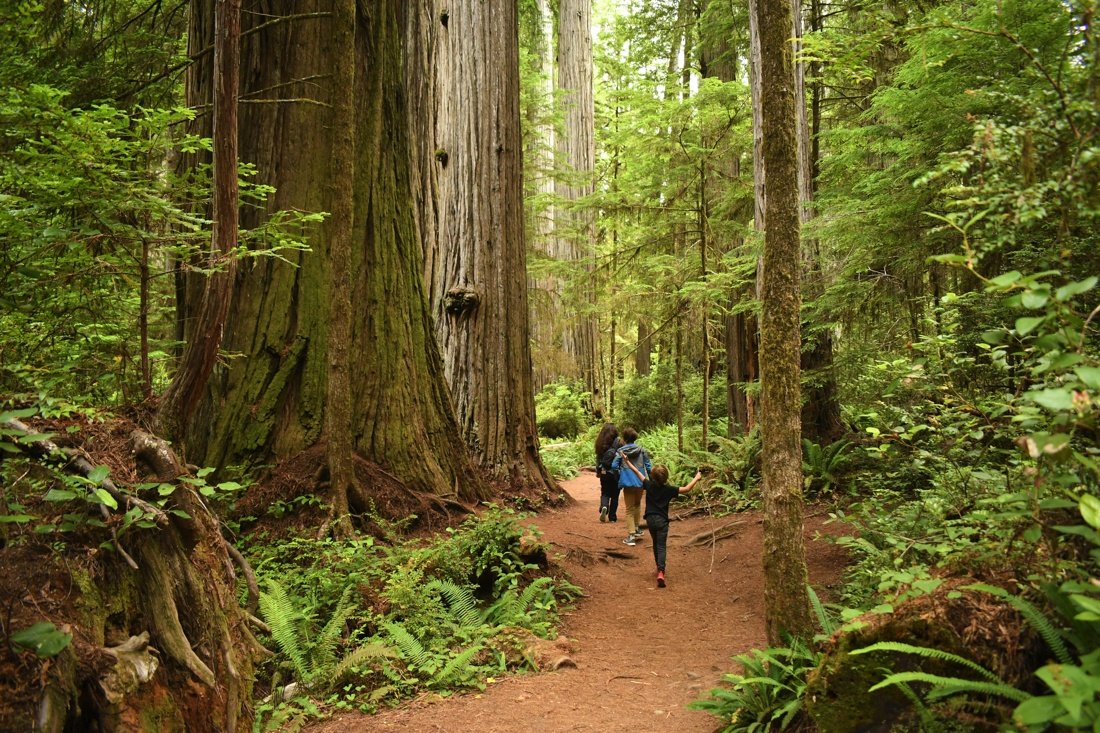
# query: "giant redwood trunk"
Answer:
x=786 y=602
x=268 y=400
x=575 y=230
x=464 y=91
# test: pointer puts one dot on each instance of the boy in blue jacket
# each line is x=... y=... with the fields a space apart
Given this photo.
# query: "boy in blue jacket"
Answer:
x=631 y=482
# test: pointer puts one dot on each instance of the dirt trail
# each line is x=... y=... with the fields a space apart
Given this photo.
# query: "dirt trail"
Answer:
x=641 y=653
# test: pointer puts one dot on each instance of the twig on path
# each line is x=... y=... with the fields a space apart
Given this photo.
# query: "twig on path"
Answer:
x=578 y=534
x=625 y=677
x=713 y=535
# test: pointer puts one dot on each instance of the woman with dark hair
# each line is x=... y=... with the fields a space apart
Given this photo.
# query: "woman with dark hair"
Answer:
x=607 y=444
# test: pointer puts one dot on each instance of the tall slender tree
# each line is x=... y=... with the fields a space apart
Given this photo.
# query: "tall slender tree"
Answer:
x=786 y=602
x=575 y=228
x=200 y=351
x=464 y=85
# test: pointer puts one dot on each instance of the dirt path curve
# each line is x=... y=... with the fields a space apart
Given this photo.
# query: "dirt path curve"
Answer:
x=641 y=653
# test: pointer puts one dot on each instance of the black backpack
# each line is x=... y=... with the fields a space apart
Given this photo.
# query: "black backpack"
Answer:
x=603 y=465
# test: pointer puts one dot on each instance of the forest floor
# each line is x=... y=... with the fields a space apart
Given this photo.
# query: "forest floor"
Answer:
x=641 y=653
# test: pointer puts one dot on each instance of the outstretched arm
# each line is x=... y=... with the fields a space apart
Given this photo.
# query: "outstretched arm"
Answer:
x=691 y=484
x=626 y=462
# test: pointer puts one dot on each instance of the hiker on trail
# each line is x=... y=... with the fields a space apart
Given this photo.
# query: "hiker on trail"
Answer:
x=631 y=482
x=658 y=495
x=608 y=443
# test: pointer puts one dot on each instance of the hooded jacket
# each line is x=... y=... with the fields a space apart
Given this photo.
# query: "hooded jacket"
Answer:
x=640 y=459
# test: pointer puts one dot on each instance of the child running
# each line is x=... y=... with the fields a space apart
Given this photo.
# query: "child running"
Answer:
x=658 y=495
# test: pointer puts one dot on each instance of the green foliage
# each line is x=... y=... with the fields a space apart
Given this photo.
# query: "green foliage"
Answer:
x=405 y=617
x=768 y=693
x=42 y=638
x=90 y=206
x=560 y=410
x=823 y=466
x=648 y=402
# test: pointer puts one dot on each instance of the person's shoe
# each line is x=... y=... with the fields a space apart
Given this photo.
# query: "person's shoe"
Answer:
x=629 y=540
x=603 y=514
x=638 y=535
x=660 y=578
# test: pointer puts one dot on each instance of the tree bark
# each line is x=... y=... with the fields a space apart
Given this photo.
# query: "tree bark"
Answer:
x=340 y=227
x=575 y=230
x=787 y=609
x=820 y=410
x=203 y=338
x=464 y=87
x=269 y=402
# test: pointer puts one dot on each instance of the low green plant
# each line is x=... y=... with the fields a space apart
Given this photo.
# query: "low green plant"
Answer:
x=823 y=466
x=312 y=653
x=767 y=695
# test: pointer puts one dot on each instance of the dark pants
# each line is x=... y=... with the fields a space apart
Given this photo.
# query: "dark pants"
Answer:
x=658 y=530
x=609 y=495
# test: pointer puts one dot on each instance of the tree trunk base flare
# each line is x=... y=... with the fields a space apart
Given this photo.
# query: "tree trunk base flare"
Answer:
x=164 y=647
x=973 y=625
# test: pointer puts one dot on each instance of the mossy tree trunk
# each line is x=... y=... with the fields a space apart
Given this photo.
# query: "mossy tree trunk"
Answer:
x=463 y=79
x=268 y=400
x=787 y=608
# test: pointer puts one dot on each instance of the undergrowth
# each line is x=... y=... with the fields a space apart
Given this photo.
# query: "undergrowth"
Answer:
x=357 y=624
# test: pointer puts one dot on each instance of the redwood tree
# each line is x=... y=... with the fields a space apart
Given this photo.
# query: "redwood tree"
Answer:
x=464 y=91
x=786 y=601
x=268 y=401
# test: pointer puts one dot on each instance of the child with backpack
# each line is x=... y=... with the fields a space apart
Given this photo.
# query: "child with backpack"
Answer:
x=631 y=484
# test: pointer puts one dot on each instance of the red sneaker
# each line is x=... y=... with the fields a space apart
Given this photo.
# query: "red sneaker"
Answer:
x=660 y=578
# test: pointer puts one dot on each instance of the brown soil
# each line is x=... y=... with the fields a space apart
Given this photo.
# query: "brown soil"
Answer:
x=641 y=653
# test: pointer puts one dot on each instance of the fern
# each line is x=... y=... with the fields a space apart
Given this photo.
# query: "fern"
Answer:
x=539 y=585
x=285 y=620
x=460 y=661
x=511 y=608
x=461 y=601
x=355 y=658
x=324 y=649
x=931 y=653
x=408 y=646
x=946 y=686
x=828 y=626
x=1039 y=622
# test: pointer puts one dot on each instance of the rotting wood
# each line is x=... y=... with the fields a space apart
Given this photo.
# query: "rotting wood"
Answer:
x=74 y=462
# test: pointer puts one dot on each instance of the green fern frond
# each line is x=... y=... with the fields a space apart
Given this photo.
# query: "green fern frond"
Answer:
x=285 y=620
x=1039 y=622
x=460 y=661
x=530 y=592
x=324 y=650
x=409 y=647
x=461 y=601
x=356 y=658
x=504 y=611
x=946 y=686
x=930 y=653
x=828 y=626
